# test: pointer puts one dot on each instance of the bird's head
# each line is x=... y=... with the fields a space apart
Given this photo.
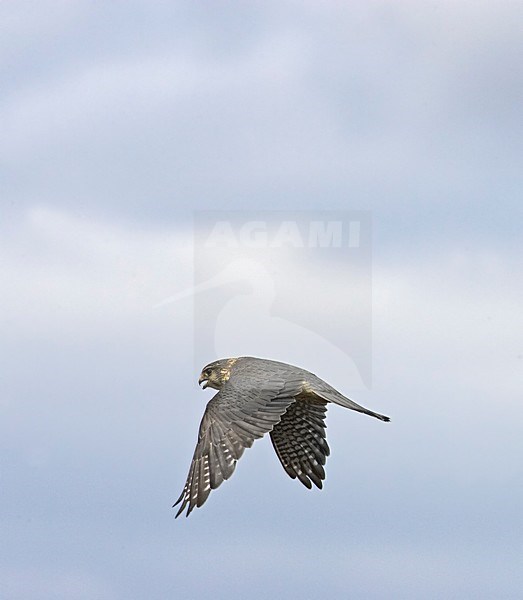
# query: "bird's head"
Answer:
x=215 y=374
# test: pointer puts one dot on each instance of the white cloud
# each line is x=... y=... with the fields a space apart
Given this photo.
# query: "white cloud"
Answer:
x=113 y=91
x=457 y=313
x=61 y=269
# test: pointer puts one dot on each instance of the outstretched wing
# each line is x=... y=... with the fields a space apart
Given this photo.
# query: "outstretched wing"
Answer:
x=300 y=443
x=242 y=411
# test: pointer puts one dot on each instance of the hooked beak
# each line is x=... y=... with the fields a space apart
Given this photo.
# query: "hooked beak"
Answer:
x=201 y=379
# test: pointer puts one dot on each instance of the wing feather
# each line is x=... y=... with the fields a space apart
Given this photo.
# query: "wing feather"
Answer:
x=300 y=443
x=242 y=411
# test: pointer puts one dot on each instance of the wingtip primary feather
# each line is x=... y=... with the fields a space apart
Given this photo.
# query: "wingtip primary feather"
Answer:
x=182 y=507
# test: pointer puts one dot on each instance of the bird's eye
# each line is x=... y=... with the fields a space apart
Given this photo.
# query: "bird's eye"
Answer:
x=207 y=372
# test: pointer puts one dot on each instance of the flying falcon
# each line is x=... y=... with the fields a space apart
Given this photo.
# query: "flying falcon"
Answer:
x=257 y=396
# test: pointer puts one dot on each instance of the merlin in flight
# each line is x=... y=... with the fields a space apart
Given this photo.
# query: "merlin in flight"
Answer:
x=257 y=396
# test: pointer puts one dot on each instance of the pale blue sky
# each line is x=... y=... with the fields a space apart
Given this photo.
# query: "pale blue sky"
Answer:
x=118 y=122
